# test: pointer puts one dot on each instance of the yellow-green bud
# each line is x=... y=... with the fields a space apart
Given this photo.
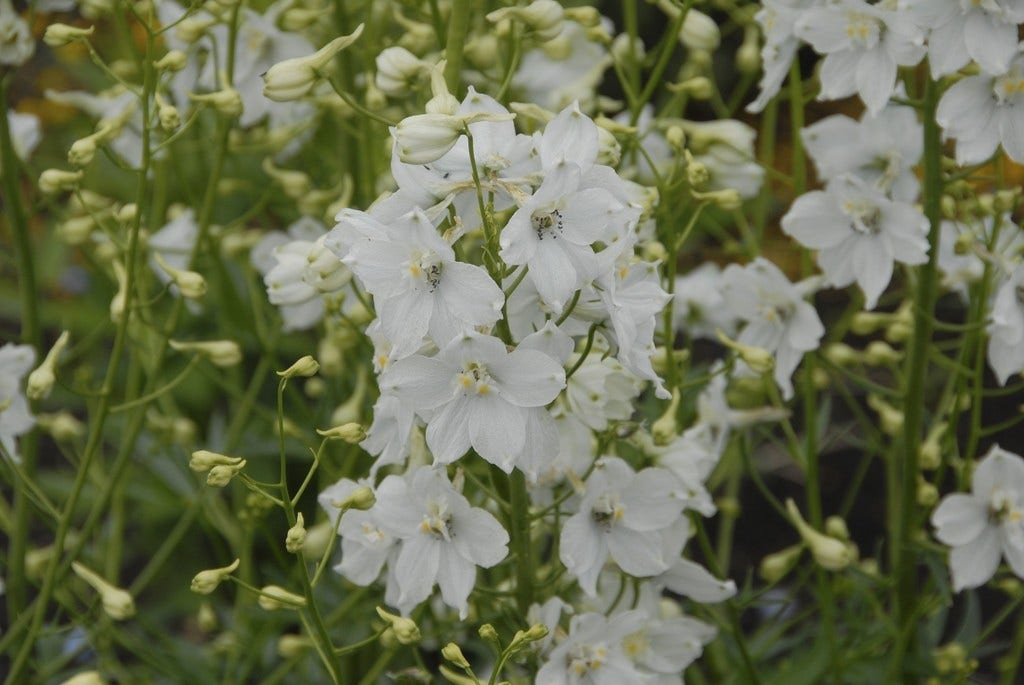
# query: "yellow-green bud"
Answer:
x=891 y=418
x=220 y=476
x=85 y=678
x=191 y=284
x=205 y=582
x=40 y=381
x=676 y=137
x=454 y=655
x=219 y=352
x=276 y=597
x=665 y=429
x=289 y=646
x=227 y=101
x=489 y=634
x=758 y=359
x=456 y=678
x=835 y=526
x=174 y=60
x=866 y=323
x=829 y=553
x=294 y=78
x=304 y=367
x=296 y=537
x=841 y=354
x=405 y=629
x=53 y=181
x=207 y=618
x=59 y=35
x=352 y=433
x=63 y=426
x=927 y=494
x=775 y=566
x=204 y=460
x=117 y=603
x=879 y=353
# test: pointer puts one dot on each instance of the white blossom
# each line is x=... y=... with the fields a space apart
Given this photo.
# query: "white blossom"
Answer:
x=15 y=416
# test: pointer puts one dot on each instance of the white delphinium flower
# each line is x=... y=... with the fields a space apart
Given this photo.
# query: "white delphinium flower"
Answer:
x=475 y=393
x=443 y=539
x=983 y=111
x=593 y=652
x=691 y=458
x=777 y=317
x=858 y=233
x=365 y=545
x=777 y=19
x=863 y=45
x=698 y=308
x=622 y=515
x=982 y=30
x=25 y=133
x=16 y=42
x=600 y=391
x=418 y=286
x=300 y=302
x=882 y=149
x=554 y=78
x=668 y=641
x=15 y=417
x=1006 y=329
x=960 y=270
x=389 y=435
x=116 y=107
x=552 y=233
x=987 y=524
x=174 y=242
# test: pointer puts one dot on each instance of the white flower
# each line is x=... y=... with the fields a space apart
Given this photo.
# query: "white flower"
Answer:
x=298 y=272
x=988 y=523
x=981 y=112
x=982 y=30
x=960 y=270
x=593 y=652
x=419 y=288
x=16 y=42
x=668 y=642
x=295 y=77
x=475 y=393
x=778 y=319
x=443 y=539
x=554 y=81
x=863 y=46
x=777 y=19
x=859 y=233
x=25 y=133
x=698 y=308
x=882 y=149
x=726 y=149
x=15 y=418
x=622 y=515
x=1006 y=330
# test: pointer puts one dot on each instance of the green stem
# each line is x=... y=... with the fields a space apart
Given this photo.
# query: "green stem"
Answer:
x=905 y=571
x=521 y=544
x=458 y=28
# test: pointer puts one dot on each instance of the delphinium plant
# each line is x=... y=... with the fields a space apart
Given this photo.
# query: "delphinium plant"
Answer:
x=478 y=342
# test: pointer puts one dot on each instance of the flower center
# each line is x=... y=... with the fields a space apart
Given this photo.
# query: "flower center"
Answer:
x=1002 y=507
x=865 y=217
x=584 y=659
x=1019 y=290
x=438 y=521
x=427 y=269
x=863 y=29
x=546 y=223
x=1008 y=86
x=474 y=378
x=607 y=510
x=990 y=6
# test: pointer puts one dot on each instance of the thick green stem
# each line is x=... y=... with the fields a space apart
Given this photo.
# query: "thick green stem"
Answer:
x=454 y=47
x=914 y=404
x=521 y=544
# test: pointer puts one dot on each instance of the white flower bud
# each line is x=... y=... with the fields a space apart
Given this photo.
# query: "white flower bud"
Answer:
x=207 y=581
x=296 y=536
x=397 y=70
x=174 y=60
x=890 y=418
x=294 y=78
x=117 y=603
x=294 y=183
x=59 y=35
x=276 y=597
x=76 y=230
x=424 y=138
x=192 y=29
x=170 y=118
x=360 y=499
x=63 y=426
x=40 y=381
x=748 y=56
x=728 y=198
x=204 y=460
x=831 y=554
x=442 y=102
x=227 y=101
x=85 y=678
x=305 y=367
x=53 y=181
x=699 y=31
x=775 y=566
x=879 y=353
x=219 y=352
x=665 y=429
x=289 y=646
x=191 y=284
x=127 y=213
x=758 y=359
x=352 y=433
x=543 y=17
x=405 y=629
x=930 y=454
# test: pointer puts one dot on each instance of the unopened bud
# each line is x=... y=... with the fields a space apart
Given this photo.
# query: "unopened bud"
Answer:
x=397 y=71
x=927 y=494
x=289 y=646
x=453 y=654
x=352 y=433
x=296 y=537
x=219 y=352
x=294 y=78
x=665 y=429
x=835 y=526
x=191 y=284
x=219 y=476
x=489 y=634
x=879 y=353
x=775 y=566
x=699 y=31
x=117 y=603
x=676 y=137
x=543 y=17
x=758 y=359
x=40 y=381
x=890 y=418
x=276 y=597
x=59 y=35
x=174 y=60
x=361 y=499
x=728 y=198
x=204 y=460
x=170 y=117
x=841 y=354
x=698 y=87
x=930 y=455
x=205 y=582
x=405 y=629
x=63 y=426
x=830 y=553
x=227 y=101
x=53 y=181
x=304 y=367
x=85 y=678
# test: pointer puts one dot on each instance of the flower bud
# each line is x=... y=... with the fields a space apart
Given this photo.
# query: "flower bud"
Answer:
x=289 y=646
x=453 y=654
x=424 y=138
x=697 y=173
x=117 y=603
x=76 y=230
x=205 y=582
x=304 y=367
x=227 y=101
x=352 y=433
x=59 y=35
x=127 y=213
x=220 y=352
x=676 y=137
x=930 y=454
x=748 y=56
x=405 y=629
x=63 y=426
x=866 y=323
x=219 y=476
x=775 y=566
x=192 y=28
x=831 y=554
x=728 y=198
x=397 y=71
x=543 y=17
x=170 y=117
x=53 y=181
x=174 y=60
x=665 y=429
x=296 y=536
x=879 y=353
x=490 y=635
x=204 y=460
x=585 y=16
x=698 y=87
x=40 y=381
x=927 y=494
x=456 y=678
x=699 y=31
x=207 y=618
x=191 y=284
x=835 y=526
x=361 y=499
x=758 y=359
x=890 y=418
x=841 y=354
x=442 y=102
x=85 y=678
x=294 y=78
x=276 y=597
x=294 y=183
